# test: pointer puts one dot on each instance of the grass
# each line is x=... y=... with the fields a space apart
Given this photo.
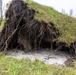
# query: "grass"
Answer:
x=12 y=66
x=65 y=24
x=2 y=24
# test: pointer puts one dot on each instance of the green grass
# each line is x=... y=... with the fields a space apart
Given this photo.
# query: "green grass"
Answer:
x=65 y=24
x=12 y=66
x=2 y=24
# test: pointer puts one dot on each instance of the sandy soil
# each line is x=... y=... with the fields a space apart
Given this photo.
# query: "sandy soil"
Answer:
x=47 y=56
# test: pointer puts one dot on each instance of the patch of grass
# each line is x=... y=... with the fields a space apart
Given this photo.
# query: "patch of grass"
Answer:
x=65 y=24
x=2 y=24
x=12 y=66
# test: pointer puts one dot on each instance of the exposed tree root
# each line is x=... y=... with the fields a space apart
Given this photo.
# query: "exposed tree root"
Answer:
x=22 y=30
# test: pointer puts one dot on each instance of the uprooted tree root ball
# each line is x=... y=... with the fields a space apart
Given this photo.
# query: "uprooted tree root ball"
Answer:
x=21 y=30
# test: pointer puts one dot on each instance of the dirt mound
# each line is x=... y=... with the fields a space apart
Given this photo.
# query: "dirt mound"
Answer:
x=21 y=30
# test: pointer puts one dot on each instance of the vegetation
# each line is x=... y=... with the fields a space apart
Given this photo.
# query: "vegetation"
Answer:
x=12 y=66
x=65 y=24
x=2 y=24
x=67 y=28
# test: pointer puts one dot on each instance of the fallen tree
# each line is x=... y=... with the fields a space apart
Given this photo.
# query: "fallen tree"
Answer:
x=25 y=28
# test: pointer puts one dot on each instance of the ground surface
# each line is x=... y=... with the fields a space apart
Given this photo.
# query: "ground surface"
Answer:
x=13 y=66
x=47 y=56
